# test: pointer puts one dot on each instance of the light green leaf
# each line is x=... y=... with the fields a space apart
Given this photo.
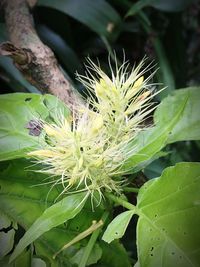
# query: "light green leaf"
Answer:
x=99 y=16
x=188 y=126
x=57 y=214
x=149 y=142
x=169 y=218
x=117 y=227
x=16 y=113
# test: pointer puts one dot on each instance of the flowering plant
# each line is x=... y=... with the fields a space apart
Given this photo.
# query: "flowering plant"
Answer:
x=90 y=156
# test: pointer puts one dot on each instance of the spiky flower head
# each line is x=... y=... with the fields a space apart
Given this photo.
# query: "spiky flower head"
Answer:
x=87 y=150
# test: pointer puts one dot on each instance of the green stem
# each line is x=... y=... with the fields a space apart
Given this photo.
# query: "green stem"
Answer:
x=131 y=189
x=91 y=243
x=120 y=201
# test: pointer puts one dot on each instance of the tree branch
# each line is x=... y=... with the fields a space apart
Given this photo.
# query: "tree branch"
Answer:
x=35 y=60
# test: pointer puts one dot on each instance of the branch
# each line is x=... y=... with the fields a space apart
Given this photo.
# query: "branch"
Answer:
x=35 y=60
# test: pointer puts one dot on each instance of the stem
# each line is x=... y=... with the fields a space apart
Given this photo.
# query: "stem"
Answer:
x=91 y=243
x=120 y=201
x=131 y=189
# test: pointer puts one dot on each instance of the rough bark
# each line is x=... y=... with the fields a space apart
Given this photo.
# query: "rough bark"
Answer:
x=35 y=60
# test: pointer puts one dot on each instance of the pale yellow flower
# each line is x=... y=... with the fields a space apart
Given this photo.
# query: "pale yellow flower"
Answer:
x=88 y=154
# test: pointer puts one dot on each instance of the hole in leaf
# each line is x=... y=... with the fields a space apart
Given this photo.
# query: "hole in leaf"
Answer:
x=152 y=248
x=116 y=233
x=156 y=215
x=28 y=99
x=151 y=254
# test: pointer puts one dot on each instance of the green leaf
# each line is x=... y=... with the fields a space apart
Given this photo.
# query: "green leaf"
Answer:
x=6 y=242
x=188 y=126
x=65 y=53
x=114 y=255
x=170 y=5
x=24 y=199
x=93 y=258
x=57 y=214
x=117 y=227
x=99 y=16
x=169 y=218
x=149 y=142
x=16 y=112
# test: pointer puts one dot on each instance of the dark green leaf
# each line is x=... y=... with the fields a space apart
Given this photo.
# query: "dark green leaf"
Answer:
x=99 y=16
x=114 y=255
x=65 y=53
x=170 y=5
x=169 y=218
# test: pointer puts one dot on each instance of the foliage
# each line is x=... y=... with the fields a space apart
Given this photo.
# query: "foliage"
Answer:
x=41 y=227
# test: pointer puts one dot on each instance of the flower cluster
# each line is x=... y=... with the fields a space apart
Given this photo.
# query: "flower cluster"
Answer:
x=87 y=150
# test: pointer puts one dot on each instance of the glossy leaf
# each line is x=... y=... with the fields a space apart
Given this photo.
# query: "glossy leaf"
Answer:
x=17 y=113
x=53 y=216
x=188 y=126
x=117 y=227
x=169 y=218
x=99 y=16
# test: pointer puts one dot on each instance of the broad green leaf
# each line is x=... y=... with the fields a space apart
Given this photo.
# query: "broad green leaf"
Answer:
x=22 y=199
x=53 y=216
x=188 y=126
x=151 y=141
x=117 y=227
x=169 y=218
x=17 y=111
x=99 y=16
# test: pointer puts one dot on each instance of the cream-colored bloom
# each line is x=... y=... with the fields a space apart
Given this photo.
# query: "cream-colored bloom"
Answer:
x=88 y=154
